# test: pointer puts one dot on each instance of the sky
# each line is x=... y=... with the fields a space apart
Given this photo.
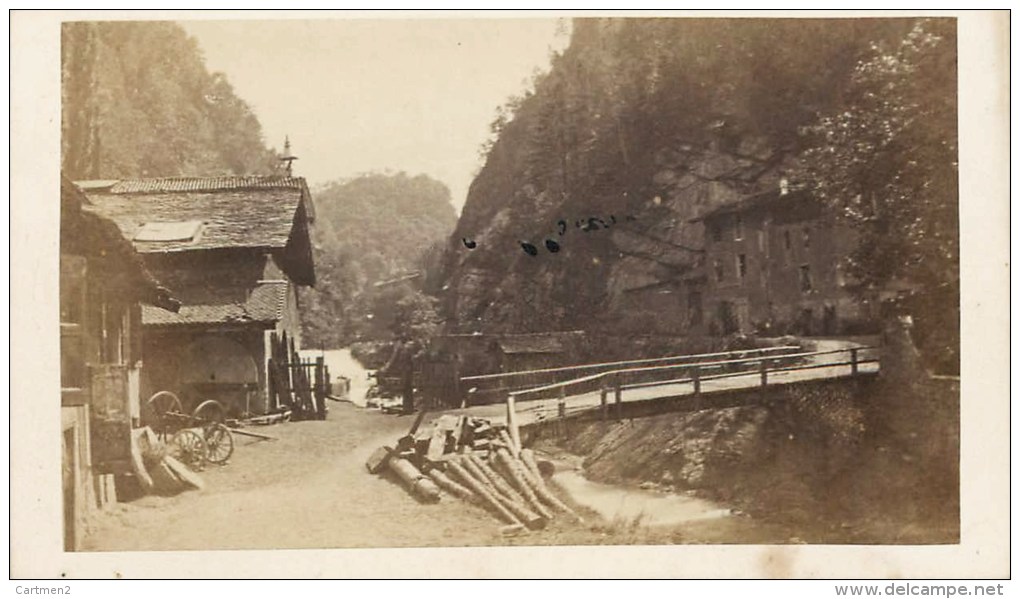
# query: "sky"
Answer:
x=376 y=95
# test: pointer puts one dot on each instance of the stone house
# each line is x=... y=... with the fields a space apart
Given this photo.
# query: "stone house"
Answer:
x=772 y=265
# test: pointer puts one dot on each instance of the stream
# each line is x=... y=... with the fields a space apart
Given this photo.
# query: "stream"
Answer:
x=341 y=363
x=612 y=502
x=647 y=507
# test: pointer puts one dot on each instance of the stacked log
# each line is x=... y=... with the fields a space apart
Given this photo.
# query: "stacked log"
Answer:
x=478 y=487
x=416 y=482
x=447 y=484
x=477 y=461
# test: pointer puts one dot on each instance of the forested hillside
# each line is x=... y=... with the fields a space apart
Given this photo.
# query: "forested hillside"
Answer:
x=643 y=124
x=369 y=231
x=138 y=101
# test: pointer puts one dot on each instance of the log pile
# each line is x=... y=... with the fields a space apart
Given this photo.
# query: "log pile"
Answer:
x=477 y=461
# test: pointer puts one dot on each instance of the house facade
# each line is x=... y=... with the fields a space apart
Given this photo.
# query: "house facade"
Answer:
x=772 y=265
x=103 y=286
x=235 y=250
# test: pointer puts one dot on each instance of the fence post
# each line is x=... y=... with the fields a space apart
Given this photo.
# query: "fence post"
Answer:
x=853 y=361
x=618 y=396
x=696 y=379
x=561 y=403
x=764 y=372
x=511 y=423
x=603 y=398
x=320 y=387
x=274 y=403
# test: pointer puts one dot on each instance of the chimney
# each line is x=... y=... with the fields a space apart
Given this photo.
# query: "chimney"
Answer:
x=288 y=158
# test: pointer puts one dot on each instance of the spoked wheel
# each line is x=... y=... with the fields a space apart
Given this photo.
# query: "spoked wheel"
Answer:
x=190 y=448
x=208 y=412
x=159 y=406
x=219 y=443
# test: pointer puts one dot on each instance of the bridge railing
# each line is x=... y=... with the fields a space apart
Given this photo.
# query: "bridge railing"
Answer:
x=618 y=380
x=496 y=385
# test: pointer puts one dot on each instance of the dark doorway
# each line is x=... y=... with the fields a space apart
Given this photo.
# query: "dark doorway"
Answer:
x=806 y=322
x=727 y=318
x=829 y=320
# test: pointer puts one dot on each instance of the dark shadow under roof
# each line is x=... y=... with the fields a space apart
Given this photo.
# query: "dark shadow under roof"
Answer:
x=115 y=261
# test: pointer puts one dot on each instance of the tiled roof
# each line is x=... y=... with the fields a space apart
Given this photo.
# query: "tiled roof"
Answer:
x=257 y=212
x=264 y=305
x=193 y=184
x=115 y=260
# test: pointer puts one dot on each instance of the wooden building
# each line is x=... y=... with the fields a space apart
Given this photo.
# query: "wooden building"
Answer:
x=235 y=250
x=772 y=265
x=534 y=351
x=103 y=286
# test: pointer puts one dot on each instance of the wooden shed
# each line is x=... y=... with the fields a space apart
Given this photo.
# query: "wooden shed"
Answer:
x=235 y=250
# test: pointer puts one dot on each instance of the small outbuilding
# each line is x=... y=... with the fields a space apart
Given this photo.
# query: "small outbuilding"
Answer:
x=235 y=250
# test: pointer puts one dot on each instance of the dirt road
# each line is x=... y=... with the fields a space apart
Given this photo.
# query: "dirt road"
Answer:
x=310 y=490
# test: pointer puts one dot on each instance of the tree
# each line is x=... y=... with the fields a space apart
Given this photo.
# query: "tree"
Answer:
x=887 y=165
x=417 y=317
x=371 y=229
x=138 y=101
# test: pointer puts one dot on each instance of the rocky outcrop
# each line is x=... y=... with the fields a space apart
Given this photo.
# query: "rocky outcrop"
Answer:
x=581 y=213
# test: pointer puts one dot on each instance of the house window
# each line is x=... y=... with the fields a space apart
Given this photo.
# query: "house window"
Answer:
x=805 y=278
x=716 y=233
x=742 y=265
x=787 y=242
x=738 y=228
x=807 y=238
x=694 y=307
x=761 y=241
x=719 y=272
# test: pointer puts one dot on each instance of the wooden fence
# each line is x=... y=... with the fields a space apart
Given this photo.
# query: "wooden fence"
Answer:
x=296 y=384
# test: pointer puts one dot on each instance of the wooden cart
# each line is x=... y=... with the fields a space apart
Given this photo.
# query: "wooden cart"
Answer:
x=195 y=438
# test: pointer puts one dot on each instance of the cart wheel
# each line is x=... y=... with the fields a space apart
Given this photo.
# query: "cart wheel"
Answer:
x=189 y=447
x=159 y=405
x=219 y=443
x=208 y=412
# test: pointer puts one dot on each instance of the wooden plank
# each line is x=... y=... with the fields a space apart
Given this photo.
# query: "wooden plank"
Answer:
x=139 y=442
x=379 y=459
x=437 y=444
x=183 y=473
x=164 y=479
x=245 y=433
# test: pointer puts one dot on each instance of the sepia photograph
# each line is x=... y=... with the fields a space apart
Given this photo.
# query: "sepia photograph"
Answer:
x=404 y=281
